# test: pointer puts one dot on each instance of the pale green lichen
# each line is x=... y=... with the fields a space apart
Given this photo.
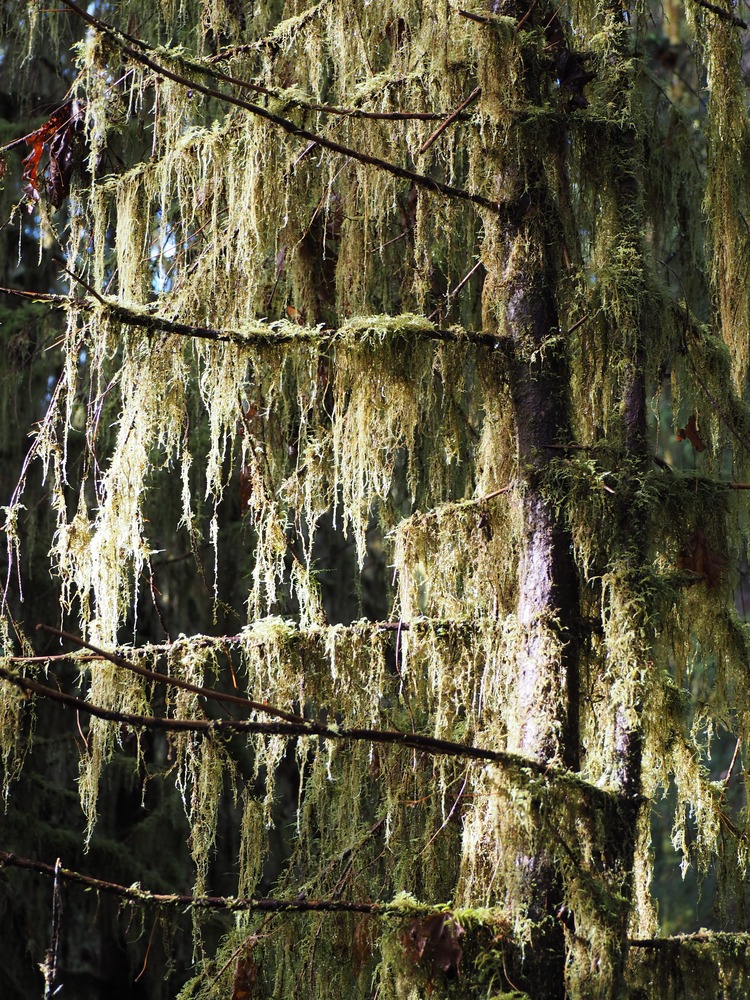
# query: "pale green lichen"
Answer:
x=334 y=392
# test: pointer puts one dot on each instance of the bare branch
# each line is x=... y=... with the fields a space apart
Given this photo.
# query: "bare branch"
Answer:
x=479 y=18
x=413 y=741
x=59 y=301
x=450 y=119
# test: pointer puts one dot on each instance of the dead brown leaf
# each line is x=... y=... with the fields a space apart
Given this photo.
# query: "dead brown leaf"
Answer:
x=432 y=942
x=698 y=557
x=690 y=433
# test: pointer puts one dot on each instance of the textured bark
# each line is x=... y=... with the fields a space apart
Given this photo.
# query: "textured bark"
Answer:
x=520 y=296
x=547 y=669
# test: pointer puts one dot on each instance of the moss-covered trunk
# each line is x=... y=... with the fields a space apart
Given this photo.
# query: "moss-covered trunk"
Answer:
x=520 y=301
x=546 y=670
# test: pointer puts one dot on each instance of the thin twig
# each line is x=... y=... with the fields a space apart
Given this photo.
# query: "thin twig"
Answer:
x=495 y=493
x=77 y=278
x=449 y=817
x=450 y=119
x=48 y=297
x=452 y=294
x=525 y=17
x=575 y=326
x=144 y=966
x=462 y=505
x=479 y=18
x=731 y=766
x=466 y=277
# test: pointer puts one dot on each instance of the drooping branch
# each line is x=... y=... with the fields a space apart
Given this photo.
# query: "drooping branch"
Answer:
x=209 y=693
x=288 y=126
x=516 y=764
x=134 y=894
x=414 y=741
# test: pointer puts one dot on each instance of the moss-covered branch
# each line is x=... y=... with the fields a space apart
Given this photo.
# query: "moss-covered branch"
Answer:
x=288 y=126
x=258 y=332
x=136 y=895
x=722 y=14
x=513 y=763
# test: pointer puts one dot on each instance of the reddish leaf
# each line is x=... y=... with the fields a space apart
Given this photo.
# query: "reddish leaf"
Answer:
x=61 y=137
x=249 y=417
x=30 y=165
x=65 y=150
x=296 y=315
x=245 y=978
x=690 y=433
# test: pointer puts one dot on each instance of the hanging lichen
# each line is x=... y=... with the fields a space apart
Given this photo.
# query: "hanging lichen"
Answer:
x=417 y=270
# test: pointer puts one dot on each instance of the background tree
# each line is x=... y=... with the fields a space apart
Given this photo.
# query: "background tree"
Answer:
x=366 y=539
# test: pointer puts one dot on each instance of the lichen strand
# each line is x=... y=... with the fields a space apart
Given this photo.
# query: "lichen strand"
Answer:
x=14 y=735
x=234 y=177
x=458 y=560
x=540 y=821
x=727 y=192
x=660 y=616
